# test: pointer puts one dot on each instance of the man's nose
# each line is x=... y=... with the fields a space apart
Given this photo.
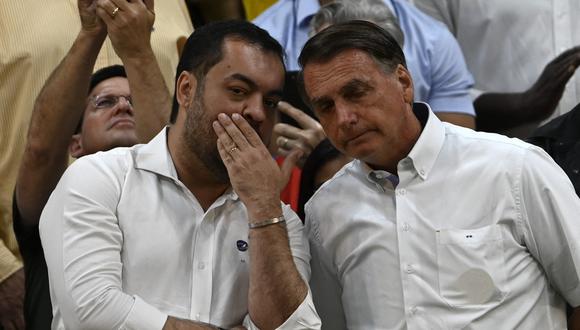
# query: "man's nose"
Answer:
x=346 y=116
x=255 y=110
x=124 y=105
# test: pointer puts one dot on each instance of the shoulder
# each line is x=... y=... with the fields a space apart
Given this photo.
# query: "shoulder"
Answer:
x=277 y=10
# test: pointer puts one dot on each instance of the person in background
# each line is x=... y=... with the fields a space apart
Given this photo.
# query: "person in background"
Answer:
x=434 y=57
x=432 y=225
x=35 y=38
x=560 y=138
x=523 y=55
x=65 y=121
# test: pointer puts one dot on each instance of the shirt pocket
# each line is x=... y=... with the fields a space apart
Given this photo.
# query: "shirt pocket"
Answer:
x=471 y=266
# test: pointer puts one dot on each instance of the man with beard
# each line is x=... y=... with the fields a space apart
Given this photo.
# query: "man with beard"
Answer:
x=187 y=231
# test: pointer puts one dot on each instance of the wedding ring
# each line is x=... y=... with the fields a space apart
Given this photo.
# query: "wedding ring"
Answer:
x=285 y=143
x=233 y=149
x=115 y=11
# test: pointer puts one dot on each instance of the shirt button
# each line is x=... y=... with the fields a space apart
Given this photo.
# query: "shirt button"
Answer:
x=201 y=266
x=422 y=172
x=406 y=227
x=409 y=269
x=401 y=192
x=413 y=310
x=197 y=317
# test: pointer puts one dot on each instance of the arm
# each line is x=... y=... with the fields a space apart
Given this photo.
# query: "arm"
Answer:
x=501 y=111
x=550 y=211
x=130 y=34
x=277 y=290
x=56 y=114
x=12 y=300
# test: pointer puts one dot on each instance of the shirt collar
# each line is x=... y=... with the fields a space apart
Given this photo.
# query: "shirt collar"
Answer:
x=155 y=157
x=305 y=10
x=425 y=151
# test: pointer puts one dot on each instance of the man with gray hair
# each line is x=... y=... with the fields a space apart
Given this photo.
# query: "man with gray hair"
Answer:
x=375 y=11
x=432 y=226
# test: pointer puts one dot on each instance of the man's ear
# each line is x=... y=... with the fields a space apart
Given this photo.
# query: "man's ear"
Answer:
x=186 y=85
x=75 y=147
x=406 y=82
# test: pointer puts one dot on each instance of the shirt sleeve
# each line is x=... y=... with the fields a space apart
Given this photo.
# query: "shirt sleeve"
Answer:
x=550 y=215
x=305 y=316
x=83 y=242
x=9 y=264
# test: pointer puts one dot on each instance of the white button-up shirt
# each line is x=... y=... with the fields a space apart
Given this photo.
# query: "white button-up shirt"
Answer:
x=477 y=231
x=126 y=244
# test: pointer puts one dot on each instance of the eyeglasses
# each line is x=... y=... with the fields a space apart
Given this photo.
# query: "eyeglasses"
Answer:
x=109 y=101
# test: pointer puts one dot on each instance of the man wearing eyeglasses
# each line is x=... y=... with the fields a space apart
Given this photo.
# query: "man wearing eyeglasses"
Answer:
x=67 y=122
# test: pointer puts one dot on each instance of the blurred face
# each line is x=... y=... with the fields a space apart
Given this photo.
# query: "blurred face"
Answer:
x=365 y=112
x=107 y=124
x=247 y=81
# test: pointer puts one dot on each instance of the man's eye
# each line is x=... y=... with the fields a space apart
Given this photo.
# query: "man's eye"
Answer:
x=271 y=104
x=105 y=102
x=237 y=91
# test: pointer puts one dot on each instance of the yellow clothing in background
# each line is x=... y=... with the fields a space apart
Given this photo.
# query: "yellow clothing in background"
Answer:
x=34 y=38
x=254 y=8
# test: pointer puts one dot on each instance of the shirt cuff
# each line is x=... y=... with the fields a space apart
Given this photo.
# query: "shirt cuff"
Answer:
x=304 y=317
x=144 y=316
x=9 y=264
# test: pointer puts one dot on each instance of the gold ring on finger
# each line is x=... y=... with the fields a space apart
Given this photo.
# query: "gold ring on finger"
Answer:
x=233 y=149
x=115 y=11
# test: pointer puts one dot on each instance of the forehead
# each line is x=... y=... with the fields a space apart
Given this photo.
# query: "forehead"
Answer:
x=239 y=57
x=114 y=85
x=322 y=77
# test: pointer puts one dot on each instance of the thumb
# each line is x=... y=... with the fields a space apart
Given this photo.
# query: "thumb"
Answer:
x=288 y=165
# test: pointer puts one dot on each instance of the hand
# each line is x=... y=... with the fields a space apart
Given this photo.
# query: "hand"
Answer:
x=12 y=301
x=289 y=138
x=254 y=174
x=90 y=21
x=543 y=97
x=129 y=26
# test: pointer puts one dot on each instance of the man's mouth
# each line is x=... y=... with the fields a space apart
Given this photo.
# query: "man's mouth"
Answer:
x=123 y=122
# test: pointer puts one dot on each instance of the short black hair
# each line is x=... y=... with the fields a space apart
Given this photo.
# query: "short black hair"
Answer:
x=365 y=36
x=99 y=76
x=204 y=48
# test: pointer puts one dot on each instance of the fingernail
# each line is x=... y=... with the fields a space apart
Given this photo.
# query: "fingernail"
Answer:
x=222 y=116
x=236 y=116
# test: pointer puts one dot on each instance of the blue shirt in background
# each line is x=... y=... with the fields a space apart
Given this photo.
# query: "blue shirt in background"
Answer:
x=440 y=75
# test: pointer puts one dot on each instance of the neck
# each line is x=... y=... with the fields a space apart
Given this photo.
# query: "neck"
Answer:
x=192 y=172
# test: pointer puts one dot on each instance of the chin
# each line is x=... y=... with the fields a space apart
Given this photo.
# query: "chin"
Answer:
x=128 y=140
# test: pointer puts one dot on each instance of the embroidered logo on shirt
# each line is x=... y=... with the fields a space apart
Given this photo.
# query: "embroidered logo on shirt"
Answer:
x=242 y=245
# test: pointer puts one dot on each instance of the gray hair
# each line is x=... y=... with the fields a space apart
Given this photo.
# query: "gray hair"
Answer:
x=375 y=11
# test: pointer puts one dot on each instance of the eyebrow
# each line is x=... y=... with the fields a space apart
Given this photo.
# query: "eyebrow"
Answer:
x=251 y=83
x=355 y=85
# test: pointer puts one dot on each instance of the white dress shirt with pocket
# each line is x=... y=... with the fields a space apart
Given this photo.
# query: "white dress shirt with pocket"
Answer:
x=127 y=244
x=477 y=231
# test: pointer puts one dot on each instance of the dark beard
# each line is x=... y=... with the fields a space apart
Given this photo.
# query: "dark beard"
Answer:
x=201 y=139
